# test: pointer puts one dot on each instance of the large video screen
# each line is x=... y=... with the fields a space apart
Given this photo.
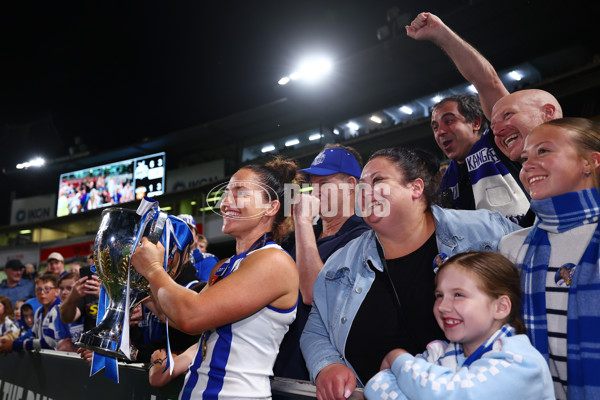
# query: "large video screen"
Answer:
x=111 y=184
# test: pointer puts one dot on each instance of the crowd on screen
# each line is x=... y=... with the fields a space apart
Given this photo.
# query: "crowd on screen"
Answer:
x=80 y=195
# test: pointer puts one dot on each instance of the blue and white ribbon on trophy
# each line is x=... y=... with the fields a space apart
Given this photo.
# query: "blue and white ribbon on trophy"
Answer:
x=175 y=230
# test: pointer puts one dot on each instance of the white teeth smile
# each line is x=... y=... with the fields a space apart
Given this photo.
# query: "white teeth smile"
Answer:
x=451 y=321
x=509 y=140
x=536 y=178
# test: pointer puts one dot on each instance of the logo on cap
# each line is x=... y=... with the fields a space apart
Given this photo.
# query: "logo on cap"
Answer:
x=319 y=159
x=334 y=160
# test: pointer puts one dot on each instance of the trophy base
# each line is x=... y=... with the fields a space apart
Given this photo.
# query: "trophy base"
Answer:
x=104 y=346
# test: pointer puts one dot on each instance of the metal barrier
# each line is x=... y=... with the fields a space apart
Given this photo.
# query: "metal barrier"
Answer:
x=53 y=375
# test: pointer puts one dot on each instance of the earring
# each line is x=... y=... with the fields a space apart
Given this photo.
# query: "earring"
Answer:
x=588 y=173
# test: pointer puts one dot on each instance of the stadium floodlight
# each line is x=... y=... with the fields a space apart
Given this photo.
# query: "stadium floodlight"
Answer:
x=291 y=142
x=314 y=136
x=315 y=68
x=353 y=126
x=376 y=119
x=515 y=75
x=406 y=110
x=267 y=148
x=310 y=70
x=36 y=162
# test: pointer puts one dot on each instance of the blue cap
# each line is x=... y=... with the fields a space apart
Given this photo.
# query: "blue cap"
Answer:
x=188 y=219
x=332 y=161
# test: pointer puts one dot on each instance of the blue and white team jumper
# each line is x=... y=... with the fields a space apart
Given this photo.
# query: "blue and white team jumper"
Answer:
x=240 y=356
x=45 y=334
x=204 y=263
x=8 y=327
x=505 y=367
x=75 y=329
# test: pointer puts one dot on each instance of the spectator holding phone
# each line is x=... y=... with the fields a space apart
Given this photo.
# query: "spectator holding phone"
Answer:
x=82 y=300
x=75 y=328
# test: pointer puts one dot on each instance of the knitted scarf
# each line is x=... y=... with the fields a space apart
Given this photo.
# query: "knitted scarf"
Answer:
x=560 y=214
x=494 y=188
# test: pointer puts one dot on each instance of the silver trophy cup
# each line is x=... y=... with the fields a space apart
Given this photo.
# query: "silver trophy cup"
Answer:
x=113 y=248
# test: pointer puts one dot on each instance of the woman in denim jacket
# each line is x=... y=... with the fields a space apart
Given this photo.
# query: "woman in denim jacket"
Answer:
x=376 y=293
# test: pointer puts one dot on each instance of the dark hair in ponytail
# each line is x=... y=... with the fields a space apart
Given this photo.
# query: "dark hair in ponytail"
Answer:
x=274 y=175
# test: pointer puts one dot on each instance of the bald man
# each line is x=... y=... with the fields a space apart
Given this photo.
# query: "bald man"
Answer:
x=515 y=115
x=512 y=116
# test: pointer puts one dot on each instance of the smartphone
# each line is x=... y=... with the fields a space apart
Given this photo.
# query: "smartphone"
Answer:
x=85 y=271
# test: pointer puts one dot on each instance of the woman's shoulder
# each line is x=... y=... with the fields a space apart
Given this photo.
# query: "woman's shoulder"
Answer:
x=474 y=216
x=510 y=244
x=271 y=266
x=269 y=253
x=469 y=220
x=516 y=237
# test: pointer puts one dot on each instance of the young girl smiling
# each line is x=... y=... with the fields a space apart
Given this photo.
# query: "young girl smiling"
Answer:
x=7 y=324
x=477 y=300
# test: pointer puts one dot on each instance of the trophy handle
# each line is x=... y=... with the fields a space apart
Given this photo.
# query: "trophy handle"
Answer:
x=157 y=227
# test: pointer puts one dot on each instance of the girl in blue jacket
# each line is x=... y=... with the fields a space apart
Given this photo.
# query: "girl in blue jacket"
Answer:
x=477 y=302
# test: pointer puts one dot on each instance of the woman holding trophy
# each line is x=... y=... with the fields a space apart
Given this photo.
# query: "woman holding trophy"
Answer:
x=251 y=298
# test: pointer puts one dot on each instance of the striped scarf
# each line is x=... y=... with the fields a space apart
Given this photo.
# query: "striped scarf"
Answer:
x=490 y=180
x=560 y=214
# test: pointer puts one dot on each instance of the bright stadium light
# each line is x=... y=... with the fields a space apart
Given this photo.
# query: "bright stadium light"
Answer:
x=315 y=68
x=314 y=136
x=267 y=148
x=353 y=126
x=515 y=75
x=406 y=110
x=311 y=69
x=291 y=142
x=36 y=162
x=376 y=119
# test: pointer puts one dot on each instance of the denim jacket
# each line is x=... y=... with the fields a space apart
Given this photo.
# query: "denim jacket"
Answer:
x=346 y=279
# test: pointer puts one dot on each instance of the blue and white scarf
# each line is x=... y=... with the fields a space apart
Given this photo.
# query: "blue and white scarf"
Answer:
x=494 y=188
x=560 y=214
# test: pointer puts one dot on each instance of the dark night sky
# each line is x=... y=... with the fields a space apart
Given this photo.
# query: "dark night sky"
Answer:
x=114 y=72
